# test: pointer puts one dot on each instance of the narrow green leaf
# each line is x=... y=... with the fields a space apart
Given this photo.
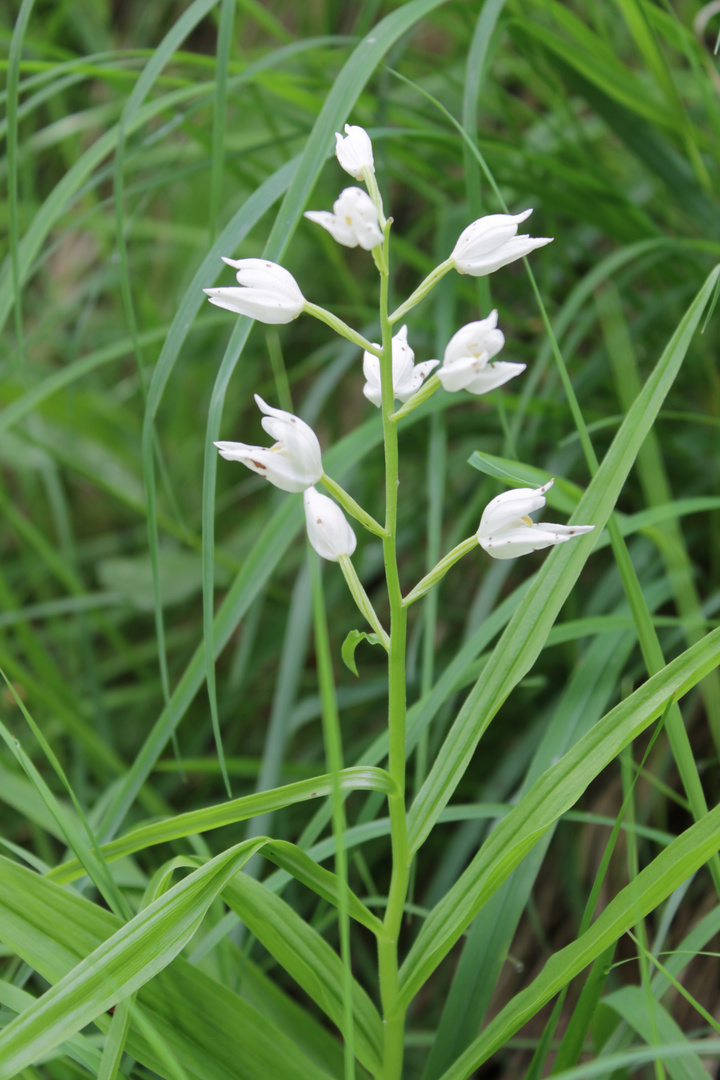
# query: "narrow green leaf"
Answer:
x=308 y=958
x=654 y=884
x=212 y=1032
x=653 y=1023
x=367 y=778
x=553 y=793
x=121 y=965
x=527 y=631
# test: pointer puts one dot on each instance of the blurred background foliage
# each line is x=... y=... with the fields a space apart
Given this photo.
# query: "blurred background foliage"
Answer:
x=604 y=117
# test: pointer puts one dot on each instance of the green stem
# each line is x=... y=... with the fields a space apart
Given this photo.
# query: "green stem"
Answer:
x=354 y=509
x=334 y=757
x=440 y=570
x=393 y=1011
x=362 y=599
x=426 y=391
x=340 y=327
x=422 y=290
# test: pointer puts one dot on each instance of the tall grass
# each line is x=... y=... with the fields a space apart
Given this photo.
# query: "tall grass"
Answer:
x=168 y=904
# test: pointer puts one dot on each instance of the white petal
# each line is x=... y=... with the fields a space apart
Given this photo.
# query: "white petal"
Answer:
x=371 y=370
x=507 y=508
x=512 y=543
x=354 y=152
x=337 y=227
x=516 y=248
x=265 y=305
x=459 y=374
x=403 y=357
x=263 y=274
x=473 y=338
x=414 y=380
x=494 y=375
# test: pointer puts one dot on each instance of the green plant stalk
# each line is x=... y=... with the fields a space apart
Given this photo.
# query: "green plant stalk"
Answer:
x=426 y=391
x=393 y=1010
x=439 y=571
x=354 y=509
x=334 y=758
x=422 y=290
x=340 y=327
x=362 y=599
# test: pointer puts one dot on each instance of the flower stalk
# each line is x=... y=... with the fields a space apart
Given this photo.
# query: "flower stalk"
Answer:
x=340 y=327
x=393 y=1010
x=425 y=392
x=354 y=509
x=422 y=290
x=362 y=599
x=439 y=571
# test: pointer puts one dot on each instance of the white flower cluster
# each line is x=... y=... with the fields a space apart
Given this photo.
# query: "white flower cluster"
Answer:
x=268 y=293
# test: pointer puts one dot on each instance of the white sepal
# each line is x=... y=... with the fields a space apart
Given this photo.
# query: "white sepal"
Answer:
x=269 y=292
x=327 y=528
x=468 y=355
x=491 y=242
x=354 y=152
x=294 y=463
x=407 y=375
x=354 y=220
x=506 y=531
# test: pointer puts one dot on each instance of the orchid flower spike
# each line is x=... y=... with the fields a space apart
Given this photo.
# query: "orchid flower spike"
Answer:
x=506 y=531
x=406 y=375
x=269 y=294
x=468 y=355
x=354 y=152
x=490 y=242
x=354 y=220
x=294 y=463
x=327 y=528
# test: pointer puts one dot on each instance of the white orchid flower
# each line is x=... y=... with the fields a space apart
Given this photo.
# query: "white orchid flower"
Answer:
x=354 y=152
x=269 y=294
x=294 y=463
x=468 y=355
x=407 y=376
x=506 y=530
x=327 y=528
x=491 y=242
x=354 y=220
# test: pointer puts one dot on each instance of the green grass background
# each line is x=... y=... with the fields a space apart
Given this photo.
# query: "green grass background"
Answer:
x=135 y=135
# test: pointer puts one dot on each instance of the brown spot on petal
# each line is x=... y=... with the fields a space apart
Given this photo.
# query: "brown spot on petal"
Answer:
x=319 y=521
x=258 y=464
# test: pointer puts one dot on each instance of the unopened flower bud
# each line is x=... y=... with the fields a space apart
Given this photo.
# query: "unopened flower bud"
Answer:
x=491 y=242
x=328 y=531
x=354 y=152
